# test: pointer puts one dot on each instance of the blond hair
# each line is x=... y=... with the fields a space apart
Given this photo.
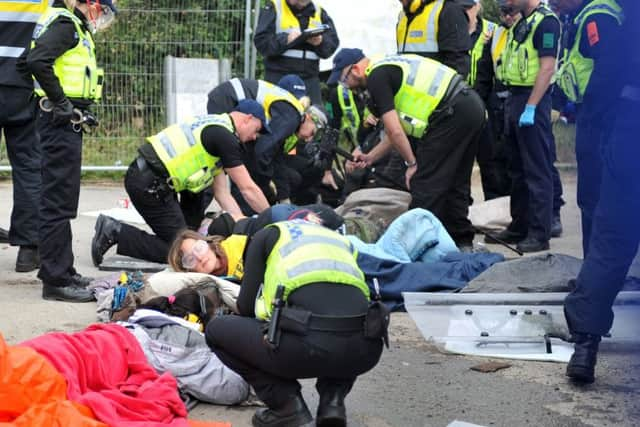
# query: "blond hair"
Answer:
x=175 y=252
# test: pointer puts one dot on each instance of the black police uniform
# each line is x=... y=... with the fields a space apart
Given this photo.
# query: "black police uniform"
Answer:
x=453 y=37
x=61 y=155
x=445 y=154
x=264 y=158
x=615 y=233
x=335 y=358
x=17 y=122
x=164 y=210
x=490 y=169
x=536 y=193
x=271 y=44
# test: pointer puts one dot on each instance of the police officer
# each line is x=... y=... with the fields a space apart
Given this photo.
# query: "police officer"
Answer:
x=185 y=159
x=63 y=63
x=421 y=98
x=318 y=334
x=283 y=38
x=17 y=122
x=615 y=229
x=286 y=111
x=592 y=33
x=480 y=78
x=435 y=29
x=528 y=65
x=498 y=96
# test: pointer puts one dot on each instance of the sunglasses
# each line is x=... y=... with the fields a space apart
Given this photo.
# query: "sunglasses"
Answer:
x=198 y=250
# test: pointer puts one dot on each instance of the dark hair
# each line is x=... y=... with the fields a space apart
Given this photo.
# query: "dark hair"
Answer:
x=182 y=303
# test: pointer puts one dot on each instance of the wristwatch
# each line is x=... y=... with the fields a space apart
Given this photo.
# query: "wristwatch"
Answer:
x=410 y=165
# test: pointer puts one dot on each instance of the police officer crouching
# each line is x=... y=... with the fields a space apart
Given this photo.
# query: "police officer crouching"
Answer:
x=304 y=280
x=62 y=61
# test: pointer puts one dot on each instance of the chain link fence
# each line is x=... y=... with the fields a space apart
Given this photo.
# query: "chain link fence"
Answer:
x=132 y=53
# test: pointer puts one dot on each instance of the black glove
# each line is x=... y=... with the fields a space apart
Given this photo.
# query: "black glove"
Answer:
x=62 y=112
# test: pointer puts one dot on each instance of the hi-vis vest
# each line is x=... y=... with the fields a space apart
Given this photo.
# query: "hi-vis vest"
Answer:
x=234 y=249
x=76 y=69
x=350 y=121
x=421 y=33
x=498 y=43
x=424 y=84
x=287 y=22
x=520 y=62
x=307 y=253
x=268 y=93
x=180 y=149
x=575 y=70
x=488 y=28
x=18 y=18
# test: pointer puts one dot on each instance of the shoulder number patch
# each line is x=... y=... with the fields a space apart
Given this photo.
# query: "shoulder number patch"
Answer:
x=548 y=40
x=592 y=33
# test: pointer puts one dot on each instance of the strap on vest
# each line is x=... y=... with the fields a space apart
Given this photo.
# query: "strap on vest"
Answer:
x=238 y=89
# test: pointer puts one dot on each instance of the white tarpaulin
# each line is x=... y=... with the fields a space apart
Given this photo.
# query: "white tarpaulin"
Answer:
x=369 y=25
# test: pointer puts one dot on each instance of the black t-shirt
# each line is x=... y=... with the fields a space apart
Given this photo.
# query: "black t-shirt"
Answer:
x=219 y=142
x=546 y=37
x=383 y=83
x=216 y=140
x=319 y=298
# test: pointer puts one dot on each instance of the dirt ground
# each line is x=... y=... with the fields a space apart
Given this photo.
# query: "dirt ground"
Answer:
x=413 y=385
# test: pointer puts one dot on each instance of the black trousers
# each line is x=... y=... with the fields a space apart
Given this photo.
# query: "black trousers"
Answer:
x=442 y=183
x=61 y=162
x=532 y=155
x=162 y=211
x=491 y=169
x=17 y=122
x=615 y=228
x=335 y=359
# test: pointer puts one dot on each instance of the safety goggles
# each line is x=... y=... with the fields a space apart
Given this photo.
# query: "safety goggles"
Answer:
x=101 y=16
x=198 y=250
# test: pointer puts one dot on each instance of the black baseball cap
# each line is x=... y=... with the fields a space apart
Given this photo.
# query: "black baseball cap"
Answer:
x=343 y=58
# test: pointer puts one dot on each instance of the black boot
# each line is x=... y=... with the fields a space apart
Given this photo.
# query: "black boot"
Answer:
x=4 y=236
x=67 y=293
x=531 y=244
x=28 y=259
x=293 y=414
x=80 y=281
x=506 y=236
x=107 y=230
x=331 y=409
x=556 y=226
x=582 y=365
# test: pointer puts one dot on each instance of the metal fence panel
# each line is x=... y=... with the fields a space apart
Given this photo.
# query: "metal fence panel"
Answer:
x=132 y=53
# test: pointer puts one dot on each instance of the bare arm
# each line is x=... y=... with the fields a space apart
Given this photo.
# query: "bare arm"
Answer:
x=223 y=196
x=543 y=79
x=396 y=136
x=250 y=191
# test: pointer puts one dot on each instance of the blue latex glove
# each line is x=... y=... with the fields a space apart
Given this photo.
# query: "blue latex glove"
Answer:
x=528 y=116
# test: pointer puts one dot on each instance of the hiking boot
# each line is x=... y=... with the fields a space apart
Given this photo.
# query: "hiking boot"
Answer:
x=293 y=414
x=507 y=236
x=28 y=259
x=69 y=293
x=4 y=235
x=531 y=244
x=556 y=226
x=582 y=365
x=107 y=230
